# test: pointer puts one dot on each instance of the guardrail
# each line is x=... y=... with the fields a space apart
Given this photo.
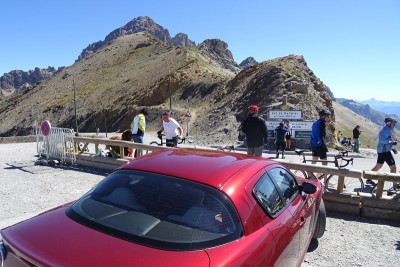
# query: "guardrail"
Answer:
x=90 y=159
x=359 y=203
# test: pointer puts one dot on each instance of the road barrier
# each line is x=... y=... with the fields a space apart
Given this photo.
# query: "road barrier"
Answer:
x=90 y=159
x=375 y=205
x=57 y=145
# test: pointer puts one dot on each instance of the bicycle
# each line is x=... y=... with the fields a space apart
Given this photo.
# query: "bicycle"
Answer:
x=331 y=181
x=162 y=142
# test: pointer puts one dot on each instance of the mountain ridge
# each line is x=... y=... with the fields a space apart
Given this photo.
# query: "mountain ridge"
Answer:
x=138 y=70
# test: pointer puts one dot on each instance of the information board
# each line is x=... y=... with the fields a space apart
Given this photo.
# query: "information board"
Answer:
x=300 y=129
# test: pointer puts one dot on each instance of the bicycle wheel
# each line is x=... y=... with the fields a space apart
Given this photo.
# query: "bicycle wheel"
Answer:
x=351 y=184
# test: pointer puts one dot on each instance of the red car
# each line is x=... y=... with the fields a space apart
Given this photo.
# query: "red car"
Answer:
x=178 y=207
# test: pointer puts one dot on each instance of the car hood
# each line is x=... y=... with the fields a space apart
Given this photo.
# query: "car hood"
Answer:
x=53 y=239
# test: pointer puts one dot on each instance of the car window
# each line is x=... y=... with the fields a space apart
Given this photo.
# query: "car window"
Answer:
x=268 y=196
x=285 y=183
x=159 y=211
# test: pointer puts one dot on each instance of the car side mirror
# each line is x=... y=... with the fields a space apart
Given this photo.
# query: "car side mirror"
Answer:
x=308 y=188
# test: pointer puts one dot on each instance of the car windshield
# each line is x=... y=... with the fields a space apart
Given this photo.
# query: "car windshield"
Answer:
x=159 y=211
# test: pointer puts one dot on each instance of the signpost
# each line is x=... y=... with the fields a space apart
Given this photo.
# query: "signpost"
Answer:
x=285 y=114
x=45 y=128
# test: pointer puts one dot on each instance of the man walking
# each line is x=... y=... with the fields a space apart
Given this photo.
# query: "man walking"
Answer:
x=386 y=141
x=256 y=132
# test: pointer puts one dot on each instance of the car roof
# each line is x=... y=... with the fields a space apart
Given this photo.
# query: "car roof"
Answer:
x=206 y=166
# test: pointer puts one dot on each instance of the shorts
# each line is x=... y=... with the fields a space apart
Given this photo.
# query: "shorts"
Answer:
x=319 y=151
x=386 y=157
x=172 y=142
x=288 y=137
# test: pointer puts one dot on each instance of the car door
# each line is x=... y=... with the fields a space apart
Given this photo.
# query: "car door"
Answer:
x=299 y=204
x=281 y=220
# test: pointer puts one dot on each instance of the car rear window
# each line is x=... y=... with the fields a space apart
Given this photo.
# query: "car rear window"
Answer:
x=159 y=211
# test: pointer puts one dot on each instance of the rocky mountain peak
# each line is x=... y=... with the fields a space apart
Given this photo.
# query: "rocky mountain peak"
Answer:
x=140 y=24
x=182 y=39
x=219 y=51
x=250 y=61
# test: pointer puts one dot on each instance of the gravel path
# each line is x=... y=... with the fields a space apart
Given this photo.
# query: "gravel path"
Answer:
x=27 y=189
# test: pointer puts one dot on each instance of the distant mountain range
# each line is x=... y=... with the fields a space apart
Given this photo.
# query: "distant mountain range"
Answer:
x=391 y=107
x=372 y=109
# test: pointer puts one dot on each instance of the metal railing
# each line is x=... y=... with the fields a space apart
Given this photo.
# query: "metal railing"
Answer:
x=59 y=144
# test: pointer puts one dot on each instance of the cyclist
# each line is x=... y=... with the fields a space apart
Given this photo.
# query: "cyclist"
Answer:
x=171 y=128
x=386 y=141
x=318 y=135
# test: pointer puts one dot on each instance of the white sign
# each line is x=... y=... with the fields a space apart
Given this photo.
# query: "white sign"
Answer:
x=285 y=114
x=296 y=125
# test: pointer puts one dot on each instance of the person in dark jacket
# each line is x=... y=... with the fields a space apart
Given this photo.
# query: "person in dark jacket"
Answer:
x=356 y=136
x=255 y=129
x=280 y=134
x=318 y=135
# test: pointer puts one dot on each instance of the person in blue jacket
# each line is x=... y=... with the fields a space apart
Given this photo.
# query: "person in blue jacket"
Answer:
x=318 y=135
x=386 y=142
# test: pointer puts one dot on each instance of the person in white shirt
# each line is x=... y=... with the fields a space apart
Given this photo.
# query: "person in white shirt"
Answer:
x=171 y=128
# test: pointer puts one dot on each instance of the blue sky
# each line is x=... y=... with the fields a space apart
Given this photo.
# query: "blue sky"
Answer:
x=352 y=46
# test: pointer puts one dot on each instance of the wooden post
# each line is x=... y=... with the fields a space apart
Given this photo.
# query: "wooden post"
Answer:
x=340 y=186
x=379 y=189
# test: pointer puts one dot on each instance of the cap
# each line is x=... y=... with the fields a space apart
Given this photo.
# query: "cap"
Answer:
x=254 y=108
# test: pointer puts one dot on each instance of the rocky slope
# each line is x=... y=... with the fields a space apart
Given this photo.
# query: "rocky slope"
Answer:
x=130 y=70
